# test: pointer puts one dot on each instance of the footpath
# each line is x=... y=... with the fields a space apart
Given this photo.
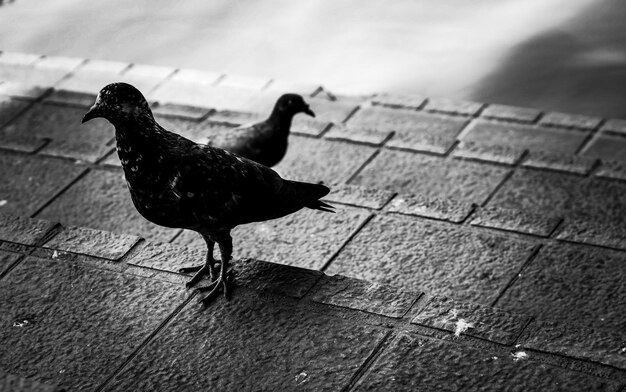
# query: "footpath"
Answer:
x=475 y=246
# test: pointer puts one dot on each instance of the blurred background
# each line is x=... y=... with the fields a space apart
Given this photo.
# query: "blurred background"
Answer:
x=560 y=55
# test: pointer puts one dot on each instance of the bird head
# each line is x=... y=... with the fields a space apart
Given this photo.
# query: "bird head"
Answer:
x=119 y=102
x=293 y=104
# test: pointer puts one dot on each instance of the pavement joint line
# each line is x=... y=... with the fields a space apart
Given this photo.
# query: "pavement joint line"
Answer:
x=267 y=85
x=48 y=235
x=46 y=142
x=506 y=177
x=586 y=143
x=175 y=236
x=45 y=204
x=360 y=168
x=607 y=247
x=218 y=80
x=146 y=341
x=105 y=156
x=385 y=204
x=370 y=158
x=533 y=255
x=351 y=114
x=71 y=73
x=473 y=208
x=369 y=361
x=453 y=146
x=346 y=242
x=422 y=105
x=555 y=229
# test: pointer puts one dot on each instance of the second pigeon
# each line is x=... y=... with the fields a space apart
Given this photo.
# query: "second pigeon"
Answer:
x=264 y=142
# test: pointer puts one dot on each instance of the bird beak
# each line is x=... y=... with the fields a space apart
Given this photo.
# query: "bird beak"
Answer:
x=309 y=111
x=92 y=113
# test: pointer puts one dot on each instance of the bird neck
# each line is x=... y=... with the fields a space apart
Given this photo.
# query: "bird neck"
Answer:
x=280 y=120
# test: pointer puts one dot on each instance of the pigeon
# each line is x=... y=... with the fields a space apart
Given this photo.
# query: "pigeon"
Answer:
x=174 y=182
x=264 y=142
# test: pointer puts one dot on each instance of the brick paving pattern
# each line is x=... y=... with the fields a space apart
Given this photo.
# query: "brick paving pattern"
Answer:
x=484 y=241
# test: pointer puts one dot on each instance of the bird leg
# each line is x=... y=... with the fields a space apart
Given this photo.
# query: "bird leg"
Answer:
x=226 y=250
x=203 y=269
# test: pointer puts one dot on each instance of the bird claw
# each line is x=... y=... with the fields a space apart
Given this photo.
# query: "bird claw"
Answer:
x=214 y=288
x=203 y=270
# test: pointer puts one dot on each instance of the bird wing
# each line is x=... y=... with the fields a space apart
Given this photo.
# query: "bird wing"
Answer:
x=243 y=140
x=219 y=186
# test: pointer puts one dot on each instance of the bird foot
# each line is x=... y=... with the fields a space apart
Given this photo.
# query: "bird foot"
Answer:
x=200 y=272
x=214 y=289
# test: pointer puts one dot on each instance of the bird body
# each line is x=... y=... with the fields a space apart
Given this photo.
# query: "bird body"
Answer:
x=264 y=142
x=177 y=183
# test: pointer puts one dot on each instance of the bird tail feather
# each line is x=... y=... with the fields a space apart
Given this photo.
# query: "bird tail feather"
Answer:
x=309 y=194
x=320 y=205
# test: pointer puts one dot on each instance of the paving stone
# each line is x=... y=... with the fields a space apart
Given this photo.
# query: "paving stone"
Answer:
x=35 y=79
x=7 y=259
x=579 y=342
x=276 y=278
x=101 y=200
x=61 y=124
x=434 y=257
x=484 y=322
x=370 y=297
x=607 y=147
x=515 y=220
x=415 y=363
x=23 y=230
x=414 y=130
x=570 y=120
x=519 y=137
x=166 y=257
x=612 y=169
x=359 y=196
x=365 y=134
x=314 y=160
x=614 y=125
x=431 y=207
x=511 y=113
x=571 y=283
x=263 y=345
x=10 y=107
x=102 y=244
x=29 y=181
x=396 y=101
x=13 y=383
x=73 y=325
x=410 y=173
x=561 y=162
x=592 y=208
x=445 y=105
x=305 y=239
x=508 y=155
x=587 y=228
x=91 y=76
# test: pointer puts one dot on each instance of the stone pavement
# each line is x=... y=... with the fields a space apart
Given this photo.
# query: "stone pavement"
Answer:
x=477 y=247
